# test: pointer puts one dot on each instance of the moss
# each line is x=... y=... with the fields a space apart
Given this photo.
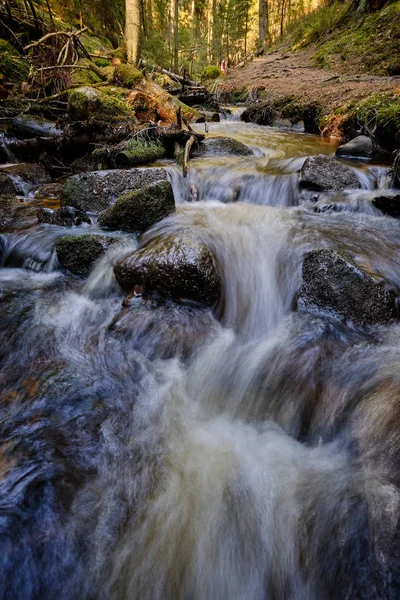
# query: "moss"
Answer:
x=212 y=72
x=127 y=75
x=95 y=44
x=164 y=81
x=101 y=62
x=13 y=67
x=84 y=76
x=78 y=253
x=119 y=53
x=139 y=152
x=87 y=102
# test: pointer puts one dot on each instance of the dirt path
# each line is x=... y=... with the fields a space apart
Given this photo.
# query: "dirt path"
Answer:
x=286 y=74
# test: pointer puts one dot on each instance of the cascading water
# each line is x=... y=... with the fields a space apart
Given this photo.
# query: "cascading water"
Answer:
x=166 y=451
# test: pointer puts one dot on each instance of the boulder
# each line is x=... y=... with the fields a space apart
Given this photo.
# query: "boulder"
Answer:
x=139 y=210
x=322 y=172
x=78 y=253
x=260 y=113
x=67 y=216
x=359 y=147
x=87 y=102
x=49 y=190
x=26 y=126
x=8 y=207
x=32 y=173
x=97 y=190
x=223 y=145
x=389 y=203
x=6 y=185
x=177 y=267
x=334 y=283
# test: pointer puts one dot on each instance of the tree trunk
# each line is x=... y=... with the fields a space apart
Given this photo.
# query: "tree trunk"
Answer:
x=132 y=30
x=175 y=63
x=262 y=21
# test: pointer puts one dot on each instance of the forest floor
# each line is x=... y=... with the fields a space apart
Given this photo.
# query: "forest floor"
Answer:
x=283 y=74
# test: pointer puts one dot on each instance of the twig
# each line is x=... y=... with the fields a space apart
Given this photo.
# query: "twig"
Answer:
x=186 y=154
x=68 y=34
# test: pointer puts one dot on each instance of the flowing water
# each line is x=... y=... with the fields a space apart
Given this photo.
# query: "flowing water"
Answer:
x=165 y=451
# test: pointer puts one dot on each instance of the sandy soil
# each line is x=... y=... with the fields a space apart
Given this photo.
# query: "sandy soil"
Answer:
x=283 y=74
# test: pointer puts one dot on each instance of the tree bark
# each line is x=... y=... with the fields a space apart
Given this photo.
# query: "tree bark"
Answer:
x=132 y=30
x=176 y=36
x=262 y=21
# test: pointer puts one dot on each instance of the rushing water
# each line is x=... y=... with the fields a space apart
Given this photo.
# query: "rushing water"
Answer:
x=165 y=451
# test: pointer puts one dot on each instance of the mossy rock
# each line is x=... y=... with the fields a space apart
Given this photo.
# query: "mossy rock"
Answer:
x=127 y=75
x=87 y=102
x=84 y=76
x=101 y=62
x=139 y=210
x=78 y=253
x=139 y=152
x=212 y=72
x=13 y=66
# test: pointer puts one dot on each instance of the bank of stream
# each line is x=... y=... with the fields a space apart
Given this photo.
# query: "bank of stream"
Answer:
x=166 y=450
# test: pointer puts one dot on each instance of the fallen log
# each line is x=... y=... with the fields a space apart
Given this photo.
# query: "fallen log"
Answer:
x=178 y=78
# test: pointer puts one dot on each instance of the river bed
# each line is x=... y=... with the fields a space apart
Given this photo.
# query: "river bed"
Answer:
x=167 y=451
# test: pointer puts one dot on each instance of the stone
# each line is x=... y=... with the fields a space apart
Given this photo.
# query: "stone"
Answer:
x=334 y=283
x=322 y=172
x=7 y=186
x=259 y=113
x=67 y=216
x=177 y=267
x=139 y=210
x=389 y=204
x=32 y=173
x=49 y=190
x=8 y=208
x=87 y=102
x=97 y=190
x=78 y=254
x=222 y=145
x=359 y=147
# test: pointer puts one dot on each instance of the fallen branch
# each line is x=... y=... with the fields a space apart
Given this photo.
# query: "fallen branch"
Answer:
x=186 y=154
x=68 y=34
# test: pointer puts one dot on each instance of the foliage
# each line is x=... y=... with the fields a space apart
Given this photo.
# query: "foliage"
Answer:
x=212 y=72
x=13 y=66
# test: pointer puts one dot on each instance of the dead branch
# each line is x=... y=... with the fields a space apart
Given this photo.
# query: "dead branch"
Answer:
x=186 y=154
x=68 y=34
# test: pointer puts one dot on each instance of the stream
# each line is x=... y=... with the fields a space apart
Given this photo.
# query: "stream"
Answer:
x=170 y=452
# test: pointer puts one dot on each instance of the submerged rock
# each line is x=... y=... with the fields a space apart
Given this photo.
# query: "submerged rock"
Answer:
x=360 y=147
x=389 y=204
x=8 y=207
x=78 y=253
x=139 y=210
x=67 y=216
x=322 y=172
x=178 y=267
x=332 y=282
x=6 y=185
x=97 y=190
x=223 y=145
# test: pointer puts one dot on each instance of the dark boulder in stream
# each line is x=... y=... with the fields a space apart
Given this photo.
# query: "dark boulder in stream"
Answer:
x=389 y=203
x=8 y=207
x=322 y=172
x=222 y=146
x=177 y=267
x=139 y=210
x=78 y=253
x=359 y=147
x=97 y=190
x=31 y=173
x=6 y=184
x=66 y=216
x=334 y=283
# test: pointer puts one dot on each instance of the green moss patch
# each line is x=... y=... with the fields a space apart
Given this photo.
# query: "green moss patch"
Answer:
x=13 y=67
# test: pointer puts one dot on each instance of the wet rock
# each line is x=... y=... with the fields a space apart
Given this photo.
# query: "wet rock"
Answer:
x=87 y=102
x=67 y=216
x=389 y=204
x=322 y=172
x=139 y=210
x=260 y=113
x=177 y=267
x=8 y=208
x=334 y=283
x=6 y=184
x=32 y=173
x=360 y=147
x=223 y=145
x=49 y=190
x=78 y=253
x=27 y=126
x=208 y=116
x=97 y=190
